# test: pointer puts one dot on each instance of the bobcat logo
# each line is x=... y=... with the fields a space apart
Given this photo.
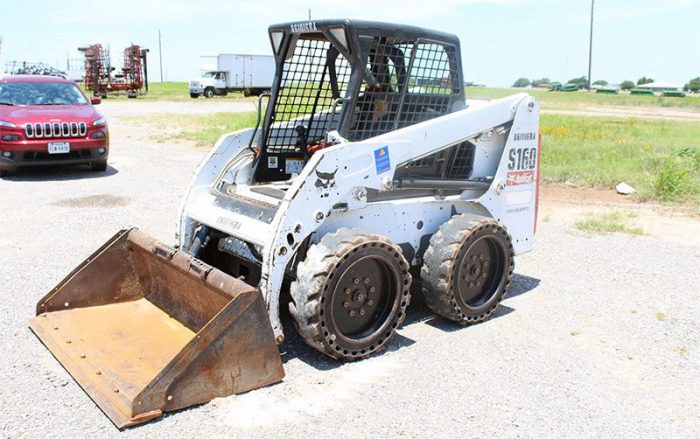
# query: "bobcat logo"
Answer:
x=325 y=180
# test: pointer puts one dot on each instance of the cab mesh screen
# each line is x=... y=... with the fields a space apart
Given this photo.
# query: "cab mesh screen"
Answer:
x=393 y=97
x=311 y=80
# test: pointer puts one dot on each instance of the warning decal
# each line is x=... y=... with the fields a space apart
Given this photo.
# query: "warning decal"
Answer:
x=381 y=159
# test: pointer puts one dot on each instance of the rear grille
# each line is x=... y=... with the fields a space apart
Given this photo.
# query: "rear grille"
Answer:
x=55 y=130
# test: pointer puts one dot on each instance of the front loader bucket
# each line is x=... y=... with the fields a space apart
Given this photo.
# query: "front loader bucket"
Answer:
x=145 y=329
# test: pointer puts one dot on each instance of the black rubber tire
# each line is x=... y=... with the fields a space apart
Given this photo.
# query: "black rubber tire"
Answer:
x=209 y=93
x=318 y=278
x=4 y=173
x=440 y=273
x=99 y=166
x=194 y=95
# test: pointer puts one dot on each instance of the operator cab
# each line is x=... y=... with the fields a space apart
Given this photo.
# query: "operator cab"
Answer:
x=361 y=79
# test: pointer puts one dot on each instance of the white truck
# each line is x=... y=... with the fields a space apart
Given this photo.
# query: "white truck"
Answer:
x=221 y=74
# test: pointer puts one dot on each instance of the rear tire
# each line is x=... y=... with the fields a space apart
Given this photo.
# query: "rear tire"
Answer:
x=467 y=268
x=351 y=294
x=99 y=166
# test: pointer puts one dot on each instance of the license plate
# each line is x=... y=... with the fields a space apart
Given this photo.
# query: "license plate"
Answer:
x=59 y=147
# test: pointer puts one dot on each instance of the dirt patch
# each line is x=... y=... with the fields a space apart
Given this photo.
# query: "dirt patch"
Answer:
x=571 y=205
x=101 y=201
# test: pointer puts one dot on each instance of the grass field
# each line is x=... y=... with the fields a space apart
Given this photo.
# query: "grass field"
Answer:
x=177 y=91
x=660 y=158
x=574 y=100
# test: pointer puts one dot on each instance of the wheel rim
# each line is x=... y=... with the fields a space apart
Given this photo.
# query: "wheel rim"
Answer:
x=480 y=272
x=363 y=298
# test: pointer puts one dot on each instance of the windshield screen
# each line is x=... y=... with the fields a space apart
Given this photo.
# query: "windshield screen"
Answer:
x=41 y=93
x=209 y=75
x=314 y=75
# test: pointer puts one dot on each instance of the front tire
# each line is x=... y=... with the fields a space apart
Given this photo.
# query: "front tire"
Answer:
x=351 y=294
x=4 y=173
x=209 y=93
x=194 y=95
x=467 y=268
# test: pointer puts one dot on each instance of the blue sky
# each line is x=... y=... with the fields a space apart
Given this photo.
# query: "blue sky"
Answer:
x=501 y=39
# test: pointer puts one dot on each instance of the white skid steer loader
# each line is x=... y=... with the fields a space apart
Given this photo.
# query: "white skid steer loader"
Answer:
x=369 y=166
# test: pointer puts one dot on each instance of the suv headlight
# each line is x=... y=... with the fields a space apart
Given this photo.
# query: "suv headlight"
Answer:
x=99 y=122
x=7 y=124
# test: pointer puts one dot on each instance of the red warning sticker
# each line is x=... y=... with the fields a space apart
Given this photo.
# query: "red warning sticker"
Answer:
x=517 y=178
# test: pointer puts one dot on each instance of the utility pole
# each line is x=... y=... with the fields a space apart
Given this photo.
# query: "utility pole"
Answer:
x=309 y=13
x=160 y=56
x=590 y=48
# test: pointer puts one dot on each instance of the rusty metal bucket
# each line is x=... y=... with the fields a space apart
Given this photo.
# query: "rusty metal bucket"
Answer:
x=146 y=329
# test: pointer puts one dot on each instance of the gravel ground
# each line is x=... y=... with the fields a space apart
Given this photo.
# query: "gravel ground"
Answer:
x=598 y=337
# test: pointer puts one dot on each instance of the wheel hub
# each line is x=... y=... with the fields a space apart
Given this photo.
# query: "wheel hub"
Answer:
x=359 y=297
x=478 y=272
x=362 y=296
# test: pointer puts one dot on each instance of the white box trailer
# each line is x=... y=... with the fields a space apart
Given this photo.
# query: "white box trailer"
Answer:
x=224 y=73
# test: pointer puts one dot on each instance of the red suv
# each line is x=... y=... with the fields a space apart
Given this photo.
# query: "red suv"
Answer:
x=46 y=120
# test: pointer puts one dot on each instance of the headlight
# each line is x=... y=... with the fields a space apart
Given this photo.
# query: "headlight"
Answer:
x=7 y=124
x=100 y=121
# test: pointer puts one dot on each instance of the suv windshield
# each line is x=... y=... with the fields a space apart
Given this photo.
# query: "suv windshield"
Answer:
x=41 y=93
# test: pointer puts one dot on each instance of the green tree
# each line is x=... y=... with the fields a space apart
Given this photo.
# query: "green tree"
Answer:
x=581 y=82
x=601 y=82
x=693 y=85
x=541 y=82
x=521 y=83
x=644 y=80
x=627 y=85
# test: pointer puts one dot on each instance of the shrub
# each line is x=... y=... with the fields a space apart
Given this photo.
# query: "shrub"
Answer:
x=675 y=179
x=627 y=85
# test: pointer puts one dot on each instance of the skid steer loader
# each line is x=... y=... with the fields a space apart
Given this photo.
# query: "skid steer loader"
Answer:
x=369 y=170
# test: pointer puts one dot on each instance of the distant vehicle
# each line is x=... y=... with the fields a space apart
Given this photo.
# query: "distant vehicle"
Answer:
x=225 y=73
x=558 y=86
x=47 y=120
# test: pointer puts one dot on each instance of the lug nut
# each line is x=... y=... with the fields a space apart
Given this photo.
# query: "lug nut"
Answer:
x=356 y=281
x=370 y=302
x=348 y=291
x=366 y=281
x=345 y=304
x=362 y=312
x=372 y=289
x=352 y=313
x=471 y=284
